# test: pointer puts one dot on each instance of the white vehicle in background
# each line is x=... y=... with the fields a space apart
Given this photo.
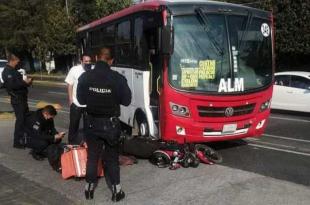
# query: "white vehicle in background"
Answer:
x=2 y=65
x=291 y=91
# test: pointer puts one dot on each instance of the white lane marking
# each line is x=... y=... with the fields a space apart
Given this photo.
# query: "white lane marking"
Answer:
x=286 y=138
x=279 y=149
x=290 y=119
x=33 y=100
x=57 y=93
x=253 y=138
x=270 y=143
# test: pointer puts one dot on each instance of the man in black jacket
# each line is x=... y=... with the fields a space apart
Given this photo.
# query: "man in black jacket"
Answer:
x=40 y=131
x=17 y=88
x=103 y=91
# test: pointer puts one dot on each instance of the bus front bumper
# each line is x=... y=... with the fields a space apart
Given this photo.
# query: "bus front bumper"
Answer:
x=185 y=130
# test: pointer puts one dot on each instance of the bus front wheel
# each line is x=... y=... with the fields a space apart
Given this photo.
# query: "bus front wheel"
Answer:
x=141 y=127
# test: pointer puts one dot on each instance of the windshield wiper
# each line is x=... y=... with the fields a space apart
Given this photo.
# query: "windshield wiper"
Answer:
x=246 y=29
x=203 y=19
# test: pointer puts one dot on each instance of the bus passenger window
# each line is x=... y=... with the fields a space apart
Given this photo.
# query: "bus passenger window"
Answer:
x=123 y=44
x=140 y=50
x=145 y=31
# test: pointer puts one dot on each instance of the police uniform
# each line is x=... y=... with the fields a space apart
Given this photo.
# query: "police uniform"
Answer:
x=40 y=132
x=17 y=88
x=103 y=91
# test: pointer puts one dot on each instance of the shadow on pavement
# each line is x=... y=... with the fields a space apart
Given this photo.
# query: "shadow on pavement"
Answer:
x=287 y=112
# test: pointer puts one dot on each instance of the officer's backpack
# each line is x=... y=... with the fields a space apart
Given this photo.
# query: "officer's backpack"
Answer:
x=139 y=146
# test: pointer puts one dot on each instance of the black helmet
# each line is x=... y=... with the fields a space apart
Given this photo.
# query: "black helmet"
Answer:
x=190 y=160
x=160 y=158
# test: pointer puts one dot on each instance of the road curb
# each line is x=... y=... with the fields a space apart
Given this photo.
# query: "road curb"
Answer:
x=43 y=82
x=6 y=116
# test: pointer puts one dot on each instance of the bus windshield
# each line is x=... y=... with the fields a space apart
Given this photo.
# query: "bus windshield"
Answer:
x=231 y=53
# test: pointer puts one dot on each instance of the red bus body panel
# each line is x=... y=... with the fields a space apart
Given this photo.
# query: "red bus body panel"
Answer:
x=147 y=6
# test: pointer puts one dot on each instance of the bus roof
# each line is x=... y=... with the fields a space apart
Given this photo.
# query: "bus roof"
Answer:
x=148 y=5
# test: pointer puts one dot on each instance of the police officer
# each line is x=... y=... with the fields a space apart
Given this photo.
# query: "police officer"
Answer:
x=17 y=88
x=103 y=90
x=41 y=132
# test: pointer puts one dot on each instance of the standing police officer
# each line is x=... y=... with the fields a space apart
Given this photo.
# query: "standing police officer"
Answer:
x=17 y=88
x=103 y=90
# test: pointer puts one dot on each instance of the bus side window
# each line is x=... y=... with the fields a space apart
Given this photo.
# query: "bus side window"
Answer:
x=145 y=37
x=145 y=53
x=140 y=50
x=123 y=43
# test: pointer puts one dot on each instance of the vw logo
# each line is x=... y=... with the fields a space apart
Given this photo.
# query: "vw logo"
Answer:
x=229 y=112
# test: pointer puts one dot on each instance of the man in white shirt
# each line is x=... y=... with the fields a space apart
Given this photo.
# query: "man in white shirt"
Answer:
x=76 y=109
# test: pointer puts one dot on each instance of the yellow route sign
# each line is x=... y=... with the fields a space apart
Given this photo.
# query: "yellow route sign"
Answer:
x=189 y=77
x=206 y=70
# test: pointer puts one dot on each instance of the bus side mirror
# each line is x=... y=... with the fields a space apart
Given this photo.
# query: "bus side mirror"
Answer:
x=167 y=41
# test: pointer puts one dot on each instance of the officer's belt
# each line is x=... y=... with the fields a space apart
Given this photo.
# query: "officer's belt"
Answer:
x=101 y=116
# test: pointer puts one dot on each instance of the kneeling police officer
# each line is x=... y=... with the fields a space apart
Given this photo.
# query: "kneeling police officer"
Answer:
x=40 y=131
x=103 y=90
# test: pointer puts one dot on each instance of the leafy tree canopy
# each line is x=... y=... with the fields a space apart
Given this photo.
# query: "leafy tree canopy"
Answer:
x=36 y=26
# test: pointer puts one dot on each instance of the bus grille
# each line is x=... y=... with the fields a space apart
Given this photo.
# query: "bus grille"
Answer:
x=220 y=111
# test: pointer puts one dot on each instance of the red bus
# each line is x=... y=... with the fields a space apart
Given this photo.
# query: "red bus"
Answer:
x=199 y=71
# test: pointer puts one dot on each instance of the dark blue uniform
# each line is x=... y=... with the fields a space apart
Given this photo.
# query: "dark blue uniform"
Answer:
x=103 y=91
x=40 y=131
x=17 y=88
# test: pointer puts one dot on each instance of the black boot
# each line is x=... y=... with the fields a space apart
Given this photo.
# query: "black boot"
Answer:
x=89 y=190
x=117 y=196
x=36 y=155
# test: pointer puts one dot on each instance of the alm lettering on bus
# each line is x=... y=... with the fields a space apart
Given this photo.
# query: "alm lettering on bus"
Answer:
x=226 y=86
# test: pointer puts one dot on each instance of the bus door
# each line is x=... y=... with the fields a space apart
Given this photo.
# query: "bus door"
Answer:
x=147 y=59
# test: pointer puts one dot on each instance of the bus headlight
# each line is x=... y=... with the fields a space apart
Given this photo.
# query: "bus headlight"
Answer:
x=179 y=110
x=264 y=106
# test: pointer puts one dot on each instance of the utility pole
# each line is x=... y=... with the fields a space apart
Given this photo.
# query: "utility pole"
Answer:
x=67 y=8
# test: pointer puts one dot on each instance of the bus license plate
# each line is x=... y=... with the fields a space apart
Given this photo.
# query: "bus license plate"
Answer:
x=229 y=128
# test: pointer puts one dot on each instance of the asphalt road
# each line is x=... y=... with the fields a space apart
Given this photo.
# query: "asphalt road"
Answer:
x=283 y=152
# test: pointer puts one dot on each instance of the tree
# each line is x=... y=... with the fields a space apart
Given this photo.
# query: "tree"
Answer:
x=85 y=11
x=107 y=7
x=36 y=27
x=22 y=25
x=59 y=31
x=292 y=31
